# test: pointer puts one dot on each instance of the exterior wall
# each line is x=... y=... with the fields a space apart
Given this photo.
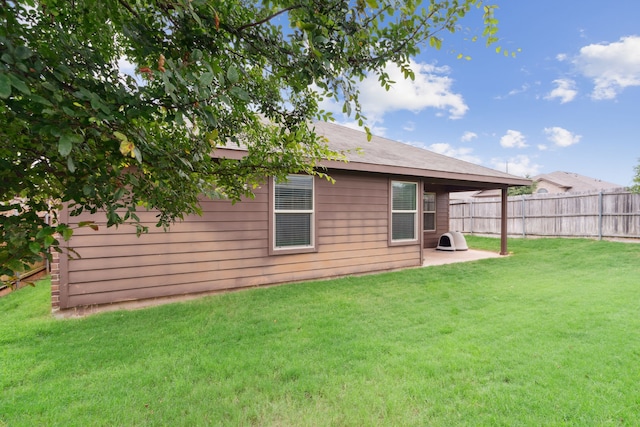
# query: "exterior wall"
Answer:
x=228 y=247
x=549 y=187
x=430 y=238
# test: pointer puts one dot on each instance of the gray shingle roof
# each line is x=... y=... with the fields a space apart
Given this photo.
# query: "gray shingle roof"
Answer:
x=393 y=156
x=382 y=155
x=574 y=182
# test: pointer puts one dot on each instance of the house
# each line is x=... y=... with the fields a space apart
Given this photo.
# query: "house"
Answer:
x=568 y=182
x=388 y=202
x=554 y=182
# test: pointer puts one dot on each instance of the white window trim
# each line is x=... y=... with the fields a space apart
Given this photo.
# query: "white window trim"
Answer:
x=311 y=211
x=434 y=212
x=415 y=212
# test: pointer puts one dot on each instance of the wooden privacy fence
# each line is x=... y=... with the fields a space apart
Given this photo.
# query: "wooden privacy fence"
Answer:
x=605 y=214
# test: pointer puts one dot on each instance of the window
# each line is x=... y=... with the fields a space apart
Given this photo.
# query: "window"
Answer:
x=293 y=212
x=429 y=211
x=404 y=210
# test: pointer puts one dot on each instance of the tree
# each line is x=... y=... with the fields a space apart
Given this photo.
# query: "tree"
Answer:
x=525 y=189
x=76 y=129
x=636 y=180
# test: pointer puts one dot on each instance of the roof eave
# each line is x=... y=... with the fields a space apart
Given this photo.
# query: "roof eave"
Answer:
x=466 y=179
x=427 y=173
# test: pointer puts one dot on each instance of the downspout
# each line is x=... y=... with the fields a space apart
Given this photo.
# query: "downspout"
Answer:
x=47 y=220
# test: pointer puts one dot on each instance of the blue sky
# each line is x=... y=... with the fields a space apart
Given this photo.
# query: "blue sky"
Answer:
x=569 y=101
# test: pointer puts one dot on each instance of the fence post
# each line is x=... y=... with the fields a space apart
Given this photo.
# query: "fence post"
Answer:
x=600 y=208
x=504 y=217
x=471 y=216
x=524 y=226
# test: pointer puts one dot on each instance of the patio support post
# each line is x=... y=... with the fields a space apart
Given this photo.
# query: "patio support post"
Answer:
x=503 y=222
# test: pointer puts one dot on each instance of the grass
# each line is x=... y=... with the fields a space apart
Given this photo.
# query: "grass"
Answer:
x=548 y=336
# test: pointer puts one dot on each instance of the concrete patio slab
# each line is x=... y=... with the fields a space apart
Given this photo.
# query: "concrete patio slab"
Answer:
x=436 y=257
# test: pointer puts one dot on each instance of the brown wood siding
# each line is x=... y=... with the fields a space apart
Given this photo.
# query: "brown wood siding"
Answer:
x=228 y=247
x=430 y=238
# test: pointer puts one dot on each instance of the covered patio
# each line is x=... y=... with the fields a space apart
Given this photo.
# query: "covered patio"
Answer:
x=433 y=256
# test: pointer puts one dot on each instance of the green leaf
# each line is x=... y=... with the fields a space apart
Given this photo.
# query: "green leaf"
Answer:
x=5 y=86
x=47 y=231
x=66 y=233
x=6 y=58
x=35 y=247
x=19 y=84
x=435 y=42
x=91 y=224
x=137 y=154
x=70 y=165
x=169 y=88
x=66 y=141
x=40 y=100
x=120 y=136
x=48 y=241
x=240 y=93
x=206 y=79
x=64 y=146
x=68 y=111
x=22 y=52
x=232 y=75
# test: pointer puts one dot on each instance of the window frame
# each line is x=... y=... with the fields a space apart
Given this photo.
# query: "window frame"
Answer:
x=416 y=214
x=434 y=211
x=276 y=250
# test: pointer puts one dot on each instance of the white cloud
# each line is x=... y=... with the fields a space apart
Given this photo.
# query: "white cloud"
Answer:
x=468 y=136
x=561 y=57
x=520 y=165
x=612 y=67
x=513 y=139
x=461 y=153
x=409 y=126
x=565 y=91
x=542 y=147
x=127 y=68
x=522 y=89
x=561 y=137
x=432 y=88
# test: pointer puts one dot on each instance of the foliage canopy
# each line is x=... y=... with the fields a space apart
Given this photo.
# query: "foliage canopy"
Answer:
x=526 y=189
x=77 y=129
x=636 y=179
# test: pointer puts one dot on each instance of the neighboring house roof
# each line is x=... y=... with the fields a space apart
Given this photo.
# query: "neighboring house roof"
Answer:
x=573 y=182
x=381 y=155
x=567 y=182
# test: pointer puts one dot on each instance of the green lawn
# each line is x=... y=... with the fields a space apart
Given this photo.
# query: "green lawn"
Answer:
x=548 y=336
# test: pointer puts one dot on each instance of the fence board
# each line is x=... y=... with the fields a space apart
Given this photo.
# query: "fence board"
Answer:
x=606 y=214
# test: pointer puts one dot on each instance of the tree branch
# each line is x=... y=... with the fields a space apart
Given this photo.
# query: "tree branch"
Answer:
x=268 y=18
x=126 y=5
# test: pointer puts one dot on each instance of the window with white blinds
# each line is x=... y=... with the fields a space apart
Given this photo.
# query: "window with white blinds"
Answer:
x=404 y=210
x=293 y=210
x=429 y=212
